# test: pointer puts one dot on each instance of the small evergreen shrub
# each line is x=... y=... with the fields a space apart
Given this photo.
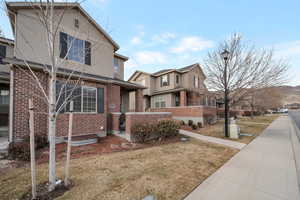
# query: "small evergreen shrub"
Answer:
x=182 y=123
x=199 y=124
x=194 y=126
x=19 y=151
x=190 y=123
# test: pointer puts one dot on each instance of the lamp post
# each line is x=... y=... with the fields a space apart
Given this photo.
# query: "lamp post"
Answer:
x=225 y=55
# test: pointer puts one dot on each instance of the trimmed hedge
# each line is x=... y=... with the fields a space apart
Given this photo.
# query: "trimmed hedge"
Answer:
x=143 y=132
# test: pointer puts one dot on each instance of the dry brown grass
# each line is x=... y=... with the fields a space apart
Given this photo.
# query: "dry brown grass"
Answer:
x=168 y=171
x=254 y=126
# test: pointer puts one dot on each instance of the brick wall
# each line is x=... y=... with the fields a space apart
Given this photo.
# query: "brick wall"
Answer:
x=115 y=121
x=82 y=124
x=25 y=88
x=142 y=117
x=184 y=111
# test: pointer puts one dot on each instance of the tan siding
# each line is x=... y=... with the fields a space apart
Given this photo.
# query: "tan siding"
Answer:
x=30 y=29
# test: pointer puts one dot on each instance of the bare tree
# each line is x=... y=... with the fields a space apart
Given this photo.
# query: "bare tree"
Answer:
x=264 y=99
x=245 y=69
x=50 y=20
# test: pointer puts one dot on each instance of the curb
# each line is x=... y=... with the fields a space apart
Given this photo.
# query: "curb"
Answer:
x=295 y=140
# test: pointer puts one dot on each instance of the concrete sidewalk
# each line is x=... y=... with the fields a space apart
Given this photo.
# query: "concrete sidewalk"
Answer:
x=263 y=170
x=229 y=143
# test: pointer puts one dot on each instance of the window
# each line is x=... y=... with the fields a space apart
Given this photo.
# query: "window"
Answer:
x=159 y=102
x=4 y=97
x=196 y=81
x=89 y=99
x=76 y=23
x=177 y=79
x=2 y=51
x=116 y=65
x=84 y=98
x=75 y=49
x=143 y=82
x=164 y=80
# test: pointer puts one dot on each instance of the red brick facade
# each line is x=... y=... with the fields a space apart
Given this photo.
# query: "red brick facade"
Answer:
x=139 y=101
x=183 y=98
x=84 y=123
x=24 y=89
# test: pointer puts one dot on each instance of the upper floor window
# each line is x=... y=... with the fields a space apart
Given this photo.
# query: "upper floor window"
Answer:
x=75 y=49
x=177 y=79
x=196 y=81
x=116 y=65
x=2 y=51
x=164 y=80
x=143 y=82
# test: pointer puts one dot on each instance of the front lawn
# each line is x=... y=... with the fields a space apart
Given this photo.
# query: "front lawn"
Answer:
x=254 y=126
x=168 y=171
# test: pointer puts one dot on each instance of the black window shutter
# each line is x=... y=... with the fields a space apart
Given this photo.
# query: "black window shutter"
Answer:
x=2 y=51
x=161 y=81
x=100 y=94
x=88 y=53
x=63 y=42
x=168 y=79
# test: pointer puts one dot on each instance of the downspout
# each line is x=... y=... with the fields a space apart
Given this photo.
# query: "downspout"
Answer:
x=11 y=104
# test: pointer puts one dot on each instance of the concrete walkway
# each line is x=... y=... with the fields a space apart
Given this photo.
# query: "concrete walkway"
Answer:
x=263 y=170
x=229 y=143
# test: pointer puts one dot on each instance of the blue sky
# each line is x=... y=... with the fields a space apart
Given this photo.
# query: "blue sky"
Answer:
x=159 y=34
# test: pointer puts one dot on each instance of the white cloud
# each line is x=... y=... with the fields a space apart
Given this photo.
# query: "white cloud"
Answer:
x=163 y=38
x=150 y=57
x=136 y=40
x=192 y=44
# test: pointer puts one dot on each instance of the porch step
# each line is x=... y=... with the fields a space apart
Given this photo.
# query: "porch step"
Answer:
x=83 y=140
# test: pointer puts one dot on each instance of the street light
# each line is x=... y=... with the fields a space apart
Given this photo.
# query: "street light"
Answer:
x=225 y=55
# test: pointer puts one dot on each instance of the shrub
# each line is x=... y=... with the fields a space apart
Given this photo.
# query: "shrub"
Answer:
x=199 y=124
x=143 y=132
x=194 y=126
x=209 y=118
x=182 y=123
x=39 y=141
x=20 y=151
x=190 y=122
x=167 y=128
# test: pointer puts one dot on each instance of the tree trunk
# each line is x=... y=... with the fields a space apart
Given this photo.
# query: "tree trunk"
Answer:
x=52 y=133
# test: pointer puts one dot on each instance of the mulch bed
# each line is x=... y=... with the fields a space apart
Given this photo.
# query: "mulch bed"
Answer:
x=108 y=144
x=44 y=194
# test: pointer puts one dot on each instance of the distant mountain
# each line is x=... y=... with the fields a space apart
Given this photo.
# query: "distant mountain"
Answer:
x=291 y=94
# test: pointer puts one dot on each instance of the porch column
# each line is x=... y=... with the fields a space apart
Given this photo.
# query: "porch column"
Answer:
x=183 y=100
x=139 y=100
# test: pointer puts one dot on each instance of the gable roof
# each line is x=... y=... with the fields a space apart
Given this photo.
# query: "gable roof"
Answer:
x=165 y=71
x=14 y=6
x=7 y=41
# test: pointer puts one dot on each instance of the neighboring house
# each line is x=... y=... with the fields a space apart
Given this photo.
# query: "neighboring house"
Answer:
x=173 y=88
x=6 y=50
x=179 y=91
x=102 y=90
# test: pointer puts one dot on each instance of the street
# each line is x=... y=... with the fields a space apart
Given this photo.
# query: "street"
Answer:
x=295 y=114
